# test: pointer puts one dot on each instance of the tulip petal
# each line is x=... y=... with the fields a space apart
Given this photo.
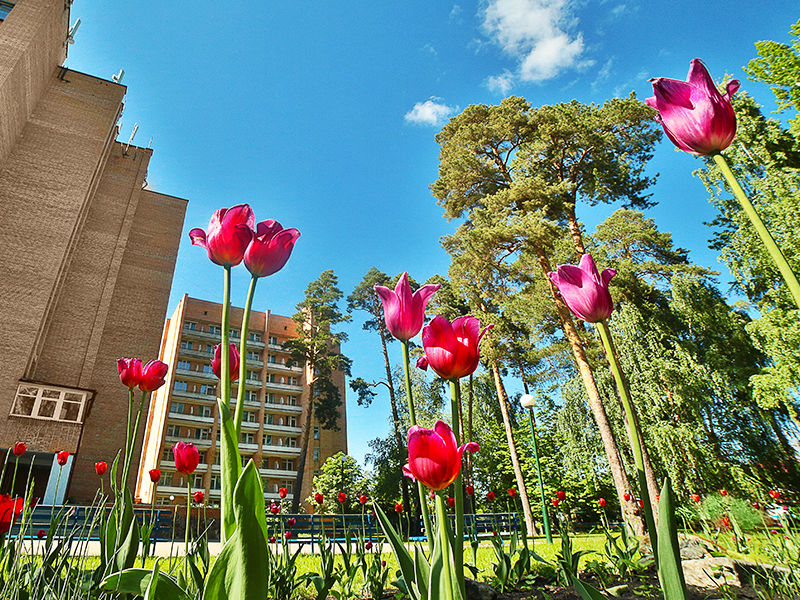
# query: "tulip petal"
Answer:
x=607 y=275
x=241 y=214
x=198 y=237
x=588 y=266
x=407 y=472
x=423 y=294
x=422 y=363
x=731 y=88
x=268 y=228
x=700 y=78
x=671 y=91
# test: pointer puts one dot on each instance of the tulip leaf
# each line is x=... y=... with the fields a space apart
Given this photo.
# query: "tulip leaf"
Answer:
x=670 y=573
x=587 y=592
x=137 y=582
x=240 y=569
x=230 y=468
x=401 y=553
x=423 y=570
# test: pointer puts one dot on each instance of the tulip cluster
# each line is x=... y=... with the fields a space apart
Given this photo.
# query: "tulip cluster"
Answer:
x=147 y=378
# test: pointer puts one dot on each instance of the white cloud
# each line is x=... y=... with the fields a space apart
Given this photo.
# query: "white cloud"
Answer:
x=501 y=84
x=431 y=112
x=536 y=33
x=455 y=14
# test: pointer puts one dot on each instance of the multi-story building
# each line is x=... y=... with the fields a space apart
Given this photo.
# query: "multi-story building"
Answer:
x=88 y=255
x=276 y=398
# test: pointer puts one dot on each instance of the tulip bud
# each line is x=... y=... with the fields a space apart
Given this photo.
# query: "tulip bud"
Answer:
x=403 y=311
x=695 y=498
x=290 y=522
x=288 y=535
x=434 y=459
x=451 y=502
x=272 y=539
x=490 y=496
x=234 y=361
x=186 y=457
x=198 y=497
x=342 y=497
x=19 y=448
x=283 y=492
x=602 y=502
x=398 y=508
x=555 y=501
x=470 y=490
x=153 y=374
x=362 y=499
x=100 y=468
x=561 y=495
x=155 y=475
x=229 y=233
x=627 y=497
x=368 y=546
x=723 y=492
x=61 y=457
x=319 y=498
x=512 y=492
x=452 y=348
x=130 y=371
x=584 y=289
x=274 y=509
x=41 y=533
x=270 y=248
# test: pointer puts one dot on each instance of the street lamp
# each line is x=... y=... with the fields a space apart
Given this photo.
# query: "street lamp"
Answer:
x=528 y=401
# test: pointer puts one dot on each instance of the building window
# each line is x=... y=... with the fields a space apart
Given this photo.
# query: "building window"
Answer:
x=190 y=325
x=176 y=407
x=198 y=481
x=181 y=386
x=249 y=416
x=208 y=390
x=166 y=479
x=288 y=464
x=253 y=375
x=167 y=454
x=316 y=454
x=235 y=333
x=254 y=355
x=271 y=398
x=273 y=340
x=271 y=359
x=215 y=482
x=272 y=378
x=293 y=400
x=44 y=402
x=173 y=431
x=249 y=438
x=184 y=364
x=268 y=440
x=5 y=8
x=292 y=422
x=207 y=369
x=215 y=329
x=186 y=345
x=255 y=337
x=292 y=442
x=205 y=411
x=251 y=396
x=316 y=431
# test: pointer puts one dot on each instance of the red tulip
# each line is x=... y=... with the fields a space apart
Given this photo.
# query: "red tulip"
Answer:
x=319 y=498
x=186 y=457
x=100 y=468
x=584 y=289
x=272 y=539
x=153 y=374
x=555 y=501
x=233 y=361
x=282 y=492
x=774 y=494
x=490 y=496
x=229 y=233
x=601 y=502
x=274 y=508
x=362 y=499
x=641 y=503
x=403 y=311
x=290 y=522
x=726 y=522
x=383 y=563
x=695 y=498
x=694 y=115
x=561 y=495
x=130 y=371
x=10 y=510
x=451 y=502
x=422 y=363
x=19 y=448
x=61 y=457
x=512 y=492
x=470 y=490
x=627 y=497
x=155 y=475
x=723 y=492
x=398 y=508
x=658 y=498
x=368 y=545
x=41 y=533
x=431 y=494
x=433 y=457
x=452 y=348
x=342 y=497
x=288 y=535
x=270 y=248
x=198 y=497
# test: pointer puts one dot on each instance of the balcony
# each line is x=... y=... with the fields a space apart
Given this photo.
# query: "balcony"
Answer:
x=200 y=443
x=292 y=408
x=197 y=375
x=272 y=428
x=195 y=396
x=217 y=338
x=191 y=419
x=281 y=450
x=202 y=354
x=279 y=367
x=278 y=473
x=283 y=387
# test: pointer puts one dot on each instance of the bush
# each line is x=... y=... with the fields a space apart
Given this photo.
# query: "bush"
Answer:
x=713 y=508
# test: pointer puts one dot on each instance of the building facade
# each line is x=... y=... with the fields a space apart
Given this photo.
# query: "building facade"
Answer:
x=88 y=255
x=185 y=408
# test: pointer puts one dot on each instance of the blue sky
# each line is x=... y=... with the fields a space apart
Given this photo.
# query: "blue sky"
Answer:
x=322 y=115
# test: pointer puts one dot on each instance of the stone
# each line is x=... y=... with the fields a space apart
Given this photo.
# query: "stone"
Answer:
x=693 y=548
x=710 y=573
x=477 y=590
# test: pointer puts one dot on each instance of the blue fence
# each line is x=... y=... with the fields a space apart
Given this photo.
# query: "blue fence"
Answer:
x=82 y=522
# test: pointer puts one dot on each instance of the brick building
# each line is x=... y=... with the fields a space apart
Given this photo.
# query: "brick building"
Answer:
x=88 y=254
x=185 y=409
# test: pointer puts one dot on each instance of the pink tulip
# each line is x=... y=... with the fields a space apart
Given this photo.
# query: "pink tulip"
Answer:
x=584 y=289
x=433 y=457
x=452 y=348
x=233 y=361
x=186 y=457
x=153 y=374
x=270 y=248
x=229 y=233
x=403 y=311
x=130 y=371
x=694 y=115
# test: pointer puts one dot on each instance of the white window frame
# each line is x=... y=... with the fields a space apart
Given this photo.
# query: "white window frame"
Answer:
x=59 y=401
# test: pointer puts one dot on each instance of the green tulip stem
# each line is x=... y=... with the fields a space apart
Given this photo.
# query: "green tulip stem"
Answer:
x=134 y=432
x=412 y=415
x=225 y=361
x=188 y=520
x=633 y=430
x=766 y=238
x=458 y=489
x=127 y=432
x=243 y=357
x=444 y=543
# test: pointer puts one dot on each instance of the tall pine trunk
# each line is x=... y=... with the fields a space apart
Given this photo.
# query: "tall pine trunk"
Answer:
x=622 y=484
x=502 y=399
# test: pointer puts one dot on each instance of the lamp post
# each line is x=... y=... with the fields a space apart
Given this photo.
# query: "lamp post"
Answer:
x=528 y=401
